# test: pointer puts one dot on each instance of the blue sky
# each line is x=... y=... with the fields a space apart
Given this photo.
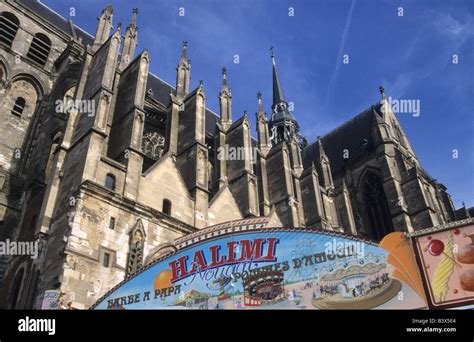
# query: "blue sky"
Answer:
x=410 y=55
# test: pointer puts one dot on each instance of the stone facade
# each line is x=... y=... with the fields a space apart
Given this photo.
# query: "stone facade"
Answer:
x=107 y=185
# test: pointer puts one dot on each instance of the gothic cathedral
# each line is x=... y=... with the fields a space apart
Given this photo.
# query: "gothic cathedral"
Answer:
x=106 y=164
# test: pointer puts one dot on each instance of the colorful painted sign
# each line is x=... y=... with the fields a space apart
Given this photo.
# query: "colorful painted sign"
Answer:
x=446 y=259
x=271 y=269
x=51 y=300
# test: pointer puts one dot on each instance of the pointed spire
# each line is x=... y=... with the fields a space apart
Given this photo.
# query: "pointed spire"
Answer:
x=280 y=112
x=322 y=153
x=108 y=9
x=183 y=50
x=104 y=26
x=262 y=127
x=382 y=92
x=384 y=107
x=261 y=115
x=283 y=124
x=133 y=20
x=260 y=103
x=183 y=76
x=131 y=40
x=278 y=96
x=225 y=90
x=224 y=77
x=225 y=101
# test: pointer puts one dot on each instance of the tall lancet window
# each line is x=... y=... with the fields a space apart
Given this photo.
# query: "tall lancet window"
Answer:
x=378 y=218
x=137 y=243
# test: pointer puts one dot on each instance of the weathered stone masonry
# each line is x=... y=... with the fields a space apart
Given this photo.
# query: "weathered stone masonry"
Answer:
x=108 y=186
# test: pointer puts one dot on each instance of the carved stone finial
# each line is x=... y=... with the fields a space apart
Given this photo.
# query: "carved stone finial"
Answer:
x=382 y=91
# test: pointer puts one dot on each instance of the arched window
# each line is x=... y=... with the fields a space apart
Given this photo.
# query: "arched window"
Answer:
x=24 y=97
x=167 y=206
x=19 y=106
x=378 y=218
x=39 y=49
x=8 y=28
x=16 y=289
x=110 y=181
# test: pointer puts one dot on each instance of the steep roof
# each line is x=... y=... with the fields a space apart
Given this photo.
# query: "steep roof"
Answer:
x=211 y=119
x=277 y=90
x=160 y=91
x=56 y=19
x=280 y=110
x=353 y=135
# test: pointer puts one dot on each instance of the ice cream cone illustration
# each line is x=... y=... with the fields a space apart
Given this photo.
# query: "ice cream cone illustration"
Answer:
x=445 y=268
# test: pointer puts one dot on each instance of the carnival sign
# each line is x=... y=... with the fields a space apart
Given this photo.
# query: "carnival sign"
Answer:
x=273 y=268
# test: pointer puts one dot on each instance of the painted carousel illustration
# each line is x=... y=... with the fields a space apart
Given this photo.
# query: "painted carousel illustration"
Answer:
x=360 y=283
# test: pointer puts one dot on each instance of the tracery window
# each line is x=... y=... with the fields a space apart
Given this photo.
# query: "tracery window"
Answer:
x=377 y=211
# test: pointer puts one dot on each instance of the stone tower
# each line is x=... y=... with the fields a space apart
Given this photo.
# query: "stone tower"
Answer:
x=105 y=164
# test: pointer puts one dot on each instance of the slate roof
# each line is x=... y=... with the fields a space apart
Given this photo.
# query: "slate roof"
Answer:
x=55 y=19
x=354 y=135
x=211 y=119
x=464 y=213
x=160 y=91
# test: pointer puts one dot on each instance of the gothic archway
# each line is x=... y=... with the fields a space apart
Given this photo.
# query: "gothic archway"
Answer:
x=377 y=218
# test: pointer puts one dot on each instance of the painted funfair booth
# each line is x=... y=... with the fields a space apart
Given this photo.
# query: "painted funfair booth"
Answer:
x=246 y=265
